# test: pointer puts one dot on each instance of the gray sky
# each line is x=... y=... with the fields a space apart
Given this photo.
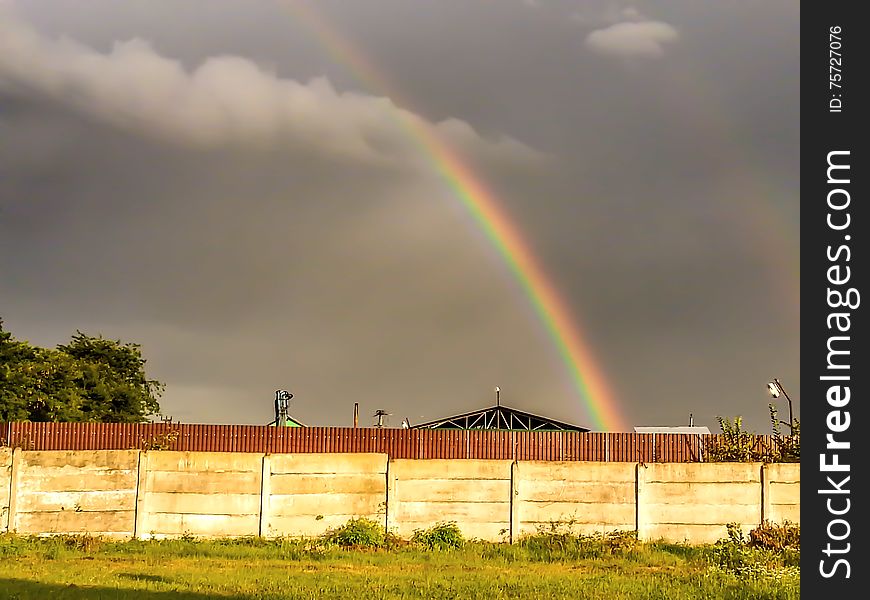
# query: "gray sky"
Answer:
x=213 y=181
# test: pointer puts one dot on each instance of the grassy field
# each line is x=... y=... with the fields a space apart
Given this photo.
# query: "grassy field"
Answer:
x=546 y=566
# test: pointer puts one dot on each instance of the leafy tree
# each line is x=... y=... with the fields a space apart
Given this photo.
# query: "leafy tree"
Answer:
x=91 y=379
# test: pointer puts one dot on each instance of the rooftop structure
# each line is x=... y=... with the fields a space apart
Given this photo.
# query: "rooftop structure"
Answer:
x=677 y=429
x=501 y=418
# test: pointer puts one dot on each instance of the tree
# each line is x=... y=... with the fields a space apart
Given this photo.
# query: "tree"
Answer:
x=91 y=379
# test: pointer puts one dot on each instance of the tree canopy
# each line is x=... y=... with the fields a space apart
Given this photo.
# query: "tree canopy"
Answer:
x=90 y=379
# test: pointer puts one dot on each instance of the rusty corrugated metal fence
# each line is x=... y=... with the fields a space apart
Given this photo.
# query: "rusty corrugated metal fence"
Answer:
x=397 y=443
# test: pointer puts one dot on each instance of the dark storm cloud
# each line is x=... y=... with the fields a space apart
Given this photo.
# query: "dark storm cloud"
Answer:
x=357 y=276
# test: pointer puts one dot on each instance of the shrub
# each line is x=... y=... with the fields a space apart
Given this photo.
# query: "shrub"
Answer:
x=734 y=444
x=787 y=448
x=751 y=560
x=776 y=537
x=443 y=536
x=359 y=533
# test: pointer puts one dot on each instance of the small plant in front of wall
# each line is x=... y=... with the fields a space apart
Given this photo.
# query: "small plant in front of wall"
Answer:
x=359 y=532
x=770 y=551
x=442 y=536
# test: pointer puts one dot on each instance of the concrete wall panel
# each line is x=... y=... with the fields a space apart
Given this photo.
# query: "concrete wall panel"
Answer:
x=85 y=492
x=331 y=463
x=703 y=472
x=580 y=497
x=309 y=494
x=577 y=491
x=691 y=513
x=337 y=503
x=324 y=483
x=203 y=462
x=598 y=472
x=476 y=494
x=172 y=525
x=196 y=482
x=203 y=494
x=447 y=468
x=683 y=502
x=784 y=491
x=565 y=514
x=113 y=524
x=224 y=504
x=76 y=501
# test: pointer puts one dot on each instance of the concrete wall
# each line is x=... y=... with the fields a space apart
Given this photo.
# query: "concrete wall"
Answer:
x=128 y=493
x=5 y=485
x=474 y=493
x=203 y=494
x=90 y=491
x=694 y=501
x=581 y=497
x=307 y=494
x=782 y=493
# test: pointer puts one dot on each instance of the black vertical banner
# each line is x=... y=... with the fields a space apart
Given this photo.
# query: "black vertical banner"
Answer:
x=834 y=369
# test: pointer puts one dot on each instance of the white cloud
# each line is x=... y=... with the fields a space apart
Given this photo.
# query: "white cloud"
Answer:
x=226 y=100
x=644 y=39
x=631 y=13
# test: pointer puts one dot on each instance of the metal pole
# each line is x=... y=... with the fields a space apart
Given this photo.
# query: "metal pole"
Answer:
x=790 y=417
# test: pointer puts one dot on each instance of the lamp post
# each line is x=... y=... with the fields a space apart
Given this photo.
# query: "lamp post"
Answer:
x=775 y=388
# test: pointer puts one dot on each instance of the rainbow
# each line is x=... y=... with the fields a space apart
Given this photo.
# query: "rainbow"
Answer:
x=587 y=376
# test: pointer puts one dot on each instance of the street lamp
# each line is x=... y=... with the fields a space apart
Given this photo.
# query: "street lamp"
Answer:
x=775 y=389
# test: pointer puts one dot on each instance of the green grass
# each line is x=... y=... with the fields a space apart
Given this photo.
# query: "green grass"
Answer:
x=542 y=567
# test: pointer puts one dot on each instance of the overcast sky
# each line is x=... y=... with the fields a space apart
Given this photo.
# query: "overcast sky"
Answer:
x=212 y=180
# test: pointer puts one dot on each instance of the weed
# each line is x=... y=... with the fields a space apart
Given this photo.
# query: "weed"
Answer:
x=769 y=553
x=776 y=537
x=357 y=533
x=442 y=536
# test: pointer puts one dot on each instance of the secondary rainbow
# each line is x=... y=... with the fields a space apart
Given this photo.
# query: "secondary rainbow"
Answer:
x=587 y=376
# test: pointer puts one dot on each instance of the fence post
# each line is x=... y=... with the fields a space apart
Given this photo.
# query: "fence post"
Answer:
x=641 y=520
x=265 y=496
x=11 y=525
x=140 y=522
x=765 y=493
x=392 y=500
x=514 y=532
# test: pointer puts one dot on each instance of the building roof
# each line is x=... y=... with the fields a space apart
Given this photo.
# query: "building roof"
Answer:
x=502 y=418
x=677 y=429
